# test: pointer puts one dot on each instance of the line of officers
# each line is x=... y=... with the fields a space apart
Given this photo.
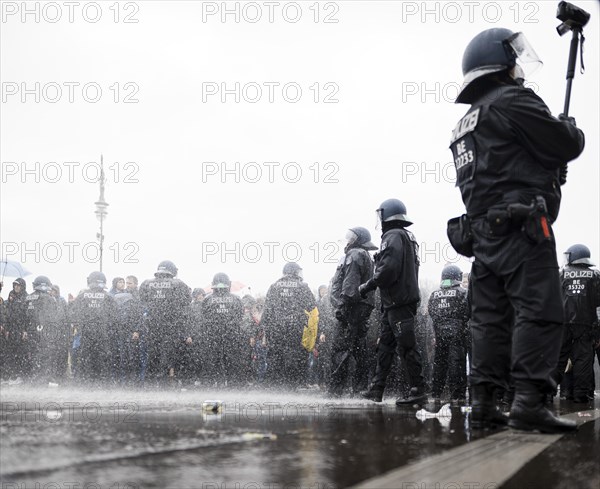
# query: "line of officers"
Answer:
x=163 y=332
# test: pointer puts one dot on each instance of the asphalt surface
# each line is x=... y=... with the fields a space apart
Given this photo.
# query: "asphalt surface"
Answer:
x=76 y=438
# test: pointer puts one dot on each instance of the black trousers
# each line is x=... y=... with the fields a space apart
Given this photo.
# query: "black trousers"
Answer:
x=220 y=362
x=398 y=338
x=578 y=346
x=188 y=361
x=93 y=358
x=593 y=386
x=350 y=341
x=517 y=309
x=14 y=357
x=450 y=361
x=287 y=364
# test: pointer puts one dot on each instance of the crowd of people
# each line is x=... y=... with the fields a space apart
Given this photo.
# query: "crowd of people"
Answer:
x=162 y=333
x=520 y=324
x=339 y=340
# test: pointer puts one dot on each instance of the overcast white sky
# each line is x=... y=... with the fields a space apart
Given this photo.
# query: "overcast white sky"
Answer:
x=393 y=67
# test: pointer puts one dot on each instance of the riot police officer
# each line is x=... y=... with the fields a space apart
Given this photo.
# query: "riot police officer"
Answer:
x=47 y=336
x=289 y=307
x=94 y=316
x=397 y=277
x=509 y=152
x=166 y=301
x=448 y=309
x=581 y=298
x=351 y=311
x=222 y=340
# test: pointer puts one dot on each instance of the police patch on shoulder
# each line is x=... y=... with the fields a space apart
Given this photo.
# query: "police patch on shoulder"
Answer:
x=466 y=125
x=384 y=245
x=348 y=260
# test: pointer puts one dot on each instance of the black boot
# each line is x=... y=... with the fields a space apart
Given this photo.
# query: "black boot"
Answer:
x=529 y=413
x=584 y=399
x=416 y=395
x=374 y=394
x=484 y=408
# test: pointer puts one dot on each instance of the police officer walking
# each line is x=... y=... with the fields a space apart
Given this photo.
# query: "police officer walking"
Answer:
x=581 y=298
x=351 y=312
x=448 y=309
x=509 y=152
x=397 y=277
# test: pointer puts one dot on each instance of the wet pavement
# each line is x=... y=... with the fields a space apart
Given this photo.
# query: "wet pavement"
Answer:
x=69 y=438
x=573 y=461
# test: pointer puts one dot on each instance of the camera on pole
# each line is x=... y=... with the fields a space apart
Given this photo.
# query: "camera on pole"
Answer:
x=573 y=19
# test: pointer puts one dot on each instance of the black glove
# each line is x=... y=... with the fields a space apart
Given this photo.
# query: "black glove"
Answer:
x=339 y=315
x=565 y=118
x=364 y=289
x=562 y=177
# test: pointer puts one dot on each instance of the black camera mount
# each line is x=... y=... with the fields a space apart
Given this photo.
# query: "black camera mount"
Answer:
x=573 y=19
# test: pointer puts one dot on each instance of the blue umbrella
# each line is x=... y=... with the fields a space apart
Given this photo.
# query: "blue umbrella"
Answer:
x=9 y=268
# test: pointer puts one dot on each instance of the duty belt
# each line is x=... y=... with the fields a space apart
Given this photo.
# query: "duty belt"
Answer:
x=534 y=215
x=516 y=212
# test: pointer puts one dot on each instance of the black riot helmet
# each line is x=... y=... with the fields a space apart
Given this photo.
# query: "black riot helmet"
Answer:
x=451 y=275
x=293 y=269
x=360 y=236
x=96 y=280
x=492 y=51
x=221 y=281
x=578 y=254
x=166 y=268
x=393 y=210
x=42 y=284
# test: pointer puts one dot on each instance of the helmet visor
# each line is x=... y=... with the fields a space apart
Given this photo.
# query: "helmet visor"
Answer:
x=527 y=58
x=378 y=218
x=350 y=237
